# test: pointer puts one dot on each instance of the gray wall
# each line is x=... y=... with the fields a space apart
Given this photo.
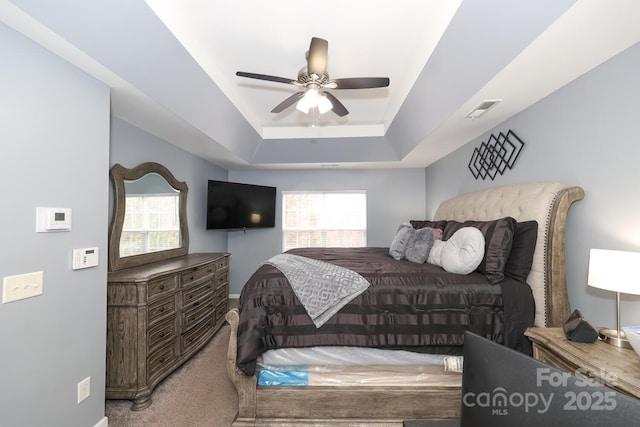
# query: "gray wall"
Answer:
x=393 y=197
x=585 y=134
x=131 y=146
x=54 y=152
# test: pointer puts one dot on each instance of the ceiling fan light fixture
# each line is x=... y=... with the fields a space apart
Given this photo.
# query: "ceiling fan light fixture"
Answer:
x=313 y=98
x=303 y=106
x=324 y=104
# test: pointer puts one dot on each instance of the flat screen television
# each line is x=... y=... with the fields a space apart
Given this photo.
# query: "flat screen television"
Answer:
x=232 y=205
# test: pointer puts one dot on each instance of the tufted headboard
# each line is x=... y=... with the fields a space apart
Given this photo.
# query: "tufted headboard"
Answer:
x=546 y=202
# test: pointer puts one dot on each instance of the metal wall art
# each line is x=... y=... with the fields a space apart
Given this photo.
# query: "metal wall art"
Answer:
x=495 y=156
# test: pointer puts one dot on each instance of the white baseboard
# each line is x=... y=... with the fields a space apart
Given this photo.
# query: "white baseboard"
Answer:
x=234 y=296
x=104 y=422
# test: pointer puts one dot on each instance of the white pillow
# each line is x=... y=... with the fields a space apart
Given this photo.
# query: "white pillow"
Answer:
x=435 y=254
x=462 y=253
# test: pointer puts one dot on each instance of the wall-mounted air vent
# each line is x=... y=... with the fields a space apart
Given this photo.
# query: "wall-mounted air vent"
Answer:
x=482 y=108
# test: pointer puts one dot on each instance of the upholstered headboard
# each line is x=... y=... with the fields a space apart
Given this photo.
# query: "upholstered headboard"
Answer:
x=545 y=202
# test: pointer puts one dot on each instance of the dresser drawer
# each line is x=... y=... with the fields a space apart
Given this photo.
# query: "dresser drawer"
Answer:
x=221 y=310
x=192 y=277
x=222 y=293
x=192 y=338
x=196 y=295
x=221 y=279
x=160 y=361
x=161 y=333
x=159 y=287
x=161 y=308
x=197 y=313
x=222 y=264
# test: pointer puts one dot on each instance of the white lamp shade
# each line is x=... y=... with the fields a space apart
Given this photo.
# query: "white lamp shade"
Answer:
x=324 y=104
x=616 y=271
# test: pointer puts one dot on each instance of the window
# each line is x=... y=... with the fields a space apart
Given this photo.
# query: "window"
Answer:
x=324 y=219
x=151 y=223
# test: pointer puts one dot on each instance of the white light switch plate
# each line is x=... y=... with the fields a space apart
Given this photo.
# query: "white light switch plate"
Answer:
x=22 y=286
x=84 y=389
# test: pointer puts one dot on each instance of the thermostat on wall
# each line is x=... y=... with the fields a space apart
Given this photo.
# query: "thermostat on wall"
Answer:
x=83 y=258
x=53 y=219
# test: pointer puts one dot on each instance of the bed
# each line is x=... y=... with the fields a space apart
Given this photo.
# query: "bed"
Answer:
x=402 y=317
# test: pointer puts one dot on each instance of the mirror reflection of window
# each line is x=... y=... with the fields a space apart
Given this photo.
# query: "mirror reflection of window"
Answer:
x=152 y=217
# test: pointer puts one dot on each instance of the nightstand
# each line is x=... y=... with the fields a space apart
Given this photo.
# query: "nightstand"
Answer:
x=616 y=368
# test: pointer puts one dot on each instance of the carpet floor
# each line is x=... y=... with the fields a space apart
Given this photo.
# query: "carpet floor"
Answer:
x=198 y=394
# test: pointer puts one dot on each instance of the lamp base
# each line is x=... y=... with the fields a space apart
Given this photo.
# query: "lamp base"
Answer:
x=613 y=337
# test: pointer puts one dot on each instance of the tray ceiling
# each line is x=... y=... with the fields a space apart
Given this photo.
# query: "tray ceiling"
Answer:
x=171 y=66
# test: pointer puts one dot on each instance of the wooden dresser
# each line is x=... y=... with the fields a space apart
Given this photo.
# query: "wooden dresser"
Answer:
x=158 y=316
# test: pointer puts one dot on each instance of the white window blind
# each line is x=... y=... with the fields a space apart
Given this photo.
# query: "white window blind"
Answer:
x=151 y=223
x=324 y=219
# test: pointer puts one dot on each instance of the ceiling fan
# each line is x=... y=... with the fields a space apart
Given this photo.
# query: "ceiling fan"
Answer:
x=314 y=82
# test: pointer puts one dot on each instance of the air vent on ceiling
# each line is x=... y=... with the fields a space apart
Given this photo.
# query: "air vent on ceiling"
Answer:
x=482 y=108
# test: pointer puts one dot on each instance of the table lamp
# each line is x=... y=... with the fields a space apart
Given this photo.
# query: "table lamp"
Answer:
x=615 y=271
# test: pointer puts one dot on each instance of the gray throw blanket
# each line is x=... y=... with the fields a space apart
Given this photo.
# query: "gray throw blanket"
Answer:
x=322 y=288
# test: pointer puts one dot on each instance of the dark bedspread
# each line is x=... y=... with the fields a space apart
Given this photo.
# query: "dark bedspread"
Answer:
x=408 y=305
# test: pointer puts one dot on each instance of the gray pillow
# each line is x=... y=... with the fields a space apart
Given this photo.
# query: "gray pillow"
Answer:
x=399 y=243
x=419 y=245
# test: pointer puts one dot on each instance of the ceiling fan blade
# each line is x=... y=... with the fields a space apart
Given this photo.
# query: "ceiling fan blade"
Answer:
x=287 y=102
x=265 y=77
x=338 y=108
x=317 y=56
x=361 y=82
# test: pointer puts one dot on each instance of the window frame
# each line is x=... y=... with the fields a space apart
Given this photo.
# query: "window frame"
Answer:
x=323 y=228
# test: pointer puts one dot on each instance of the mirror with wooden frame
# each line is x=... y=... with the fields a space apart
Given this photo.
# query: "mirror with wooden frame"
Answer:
x=150 y=216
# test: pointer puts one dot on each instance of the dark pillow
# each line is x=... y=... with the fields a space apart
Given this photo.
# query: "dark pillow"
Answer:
x=498 y=236
x=417 y=224
x=521 y=256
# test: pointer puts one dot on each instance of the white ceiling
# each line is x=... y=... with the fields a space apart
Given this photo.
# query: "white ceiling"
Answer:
x=171 y=66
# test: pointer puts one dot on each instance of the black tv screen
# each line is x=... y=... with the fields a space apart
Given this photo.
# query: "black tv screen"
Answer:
x=232 y=205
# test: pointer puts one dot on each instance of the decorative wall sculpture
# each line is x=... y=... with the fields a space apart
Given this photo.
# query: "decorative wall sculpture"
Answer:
x=495 y=156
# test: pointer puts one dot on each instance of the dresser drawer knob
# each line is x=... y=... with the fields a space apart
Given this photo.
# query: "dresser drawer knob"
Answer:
x=161 y=287
x=162 y=359
x=161 y=309
x=193 y=317
x=161 y=335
